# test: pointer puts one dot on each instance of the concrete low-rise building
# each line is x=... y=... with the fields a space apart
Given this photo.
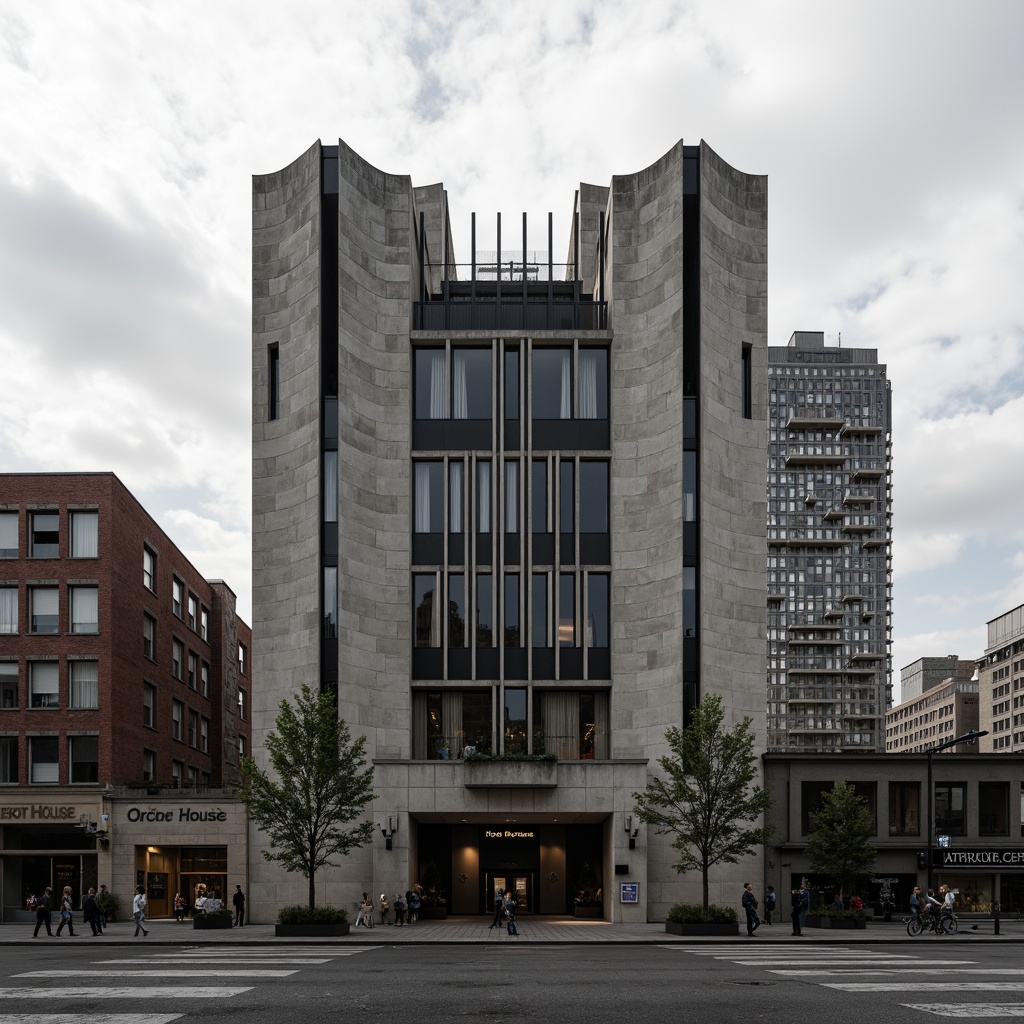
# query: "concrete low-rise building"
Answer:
x=946 y=706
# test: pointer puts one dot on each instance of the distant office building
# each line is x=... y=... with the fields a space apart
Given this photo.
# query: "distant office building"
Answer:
x=829 y=547
x=926 y=673
x=1001 y=684
x=510 y=506
x=123 y=672
x=942 y=703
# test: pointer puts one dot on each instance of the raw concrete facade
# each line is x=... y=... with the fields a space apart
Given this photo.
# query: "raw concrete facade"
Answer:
x=1001 y=684
x=829 y=547
x=612 y=629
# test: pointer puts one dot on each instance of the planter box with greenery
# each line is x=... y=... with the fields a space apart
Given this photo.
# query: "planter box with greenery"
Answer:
x=439 y=913
x=321 y=922
x=506 y=771
x=588 y=911
x=693 y=919
x=836 y=919
x=214 y=919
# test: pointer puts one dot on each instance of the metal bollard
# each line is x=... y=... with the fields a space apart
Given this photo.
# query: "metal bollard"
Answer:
x=995 y=917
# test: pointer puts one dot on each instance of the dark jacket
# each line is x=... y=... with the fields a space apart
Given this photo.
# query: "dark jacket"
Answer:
x=90 y=909
x=749 y=901
x=239 y=898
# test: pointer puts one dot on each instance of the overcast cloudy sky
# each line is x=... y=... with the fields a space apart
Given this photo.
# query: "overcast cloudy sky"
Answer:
x=892 y=134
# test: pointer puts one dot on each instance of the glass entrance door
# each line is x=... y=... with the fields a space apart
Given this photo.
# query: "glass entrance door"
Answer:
x=520 y=882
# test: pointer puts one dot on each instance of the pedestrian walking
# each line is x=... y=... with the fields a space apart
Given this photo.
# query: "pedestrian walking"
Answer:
x=749 y=902
x=361 y=909
x=67 y=912
x=509 y=910
x=91 y=912
x=384 y=908
x=367 y=910
x=179 y=908
x=101 y=902
x=139 y=903
x=796 y=907
x=238 y=899
x=399 y=905
x=43 y=905
x=499 y=902
x=770 y=899
x=412 y=898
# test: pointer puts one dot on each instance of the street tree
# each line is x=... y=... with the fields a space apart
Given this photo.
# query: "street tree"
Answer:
x=707 y=799
x=320 y=783
x=839 y=842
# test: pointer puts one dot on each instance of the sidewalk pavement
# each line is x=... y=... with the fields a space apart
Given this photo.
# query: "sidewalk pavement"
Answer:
x=532 y=931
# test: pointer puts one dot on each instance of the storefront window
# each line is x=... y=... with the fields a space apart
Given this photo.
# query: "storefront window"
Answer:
x=904 y=813
x=515 y=722
x=950 y=808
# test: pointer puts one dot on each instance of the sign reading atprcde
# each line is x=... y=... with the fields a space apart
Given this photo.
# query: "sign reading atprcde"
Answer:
x=184 y=815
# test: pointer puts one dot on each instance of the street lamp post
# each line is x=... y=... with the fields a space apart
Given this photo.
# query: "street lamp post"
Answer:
x=968 y=737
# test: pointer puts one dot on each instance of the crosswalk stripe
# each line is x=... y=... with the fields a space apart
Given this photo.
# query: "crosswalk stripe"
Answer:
x=901 y=971
x=113 y=992
x=89 y=1018
x=953 y=986
x=969 y=1009
x=217 y=960
x=244 y=972
x=804 y=962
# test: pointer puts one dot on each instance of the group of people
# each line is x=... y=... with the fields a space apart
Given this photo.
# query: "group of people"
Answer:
x=406 y=908
x=927 y=903
x=505 y=907
x=750 y=905
x=91 y=914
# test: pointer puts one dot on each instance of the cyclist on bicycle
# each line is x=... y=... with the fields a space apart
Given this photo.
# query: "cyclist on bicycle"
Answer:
x=915 y=901
x=948 y=899
x=932 y=906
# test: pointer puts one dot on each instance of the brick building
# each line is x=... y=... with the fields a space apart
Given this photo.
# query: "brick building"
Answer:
x=120 y=665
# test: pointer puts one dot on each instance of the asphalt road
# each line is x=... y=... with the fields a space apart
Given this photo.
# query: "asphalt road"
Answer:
x=568 y=984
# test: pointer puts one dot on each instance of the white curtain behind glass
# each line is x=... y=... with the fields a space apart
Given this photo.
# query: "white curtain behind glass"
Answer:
x=562 y=725
x=438 y=387
x=565 y=403
x=451 y=721
x=422 y=512
x=84 y=539
x=455 y=497
x=8 y=609
x=85 y=682
x=460 y=400
x=588 y=385
x=511 y=497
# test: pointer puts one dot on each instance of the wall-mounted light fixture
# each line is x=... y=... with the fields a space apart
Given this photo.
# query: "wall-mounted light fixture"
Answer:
x=388 y=829
x=632 y=831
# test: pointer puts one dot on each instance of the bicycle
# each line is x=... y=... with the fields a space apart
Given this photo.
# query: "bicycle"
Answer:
x=941 y=924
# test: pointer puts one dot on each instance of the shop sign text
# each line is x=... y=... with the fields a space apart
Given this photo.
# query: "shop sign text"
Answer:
x=979 y=858
x=38 y=812
x=151 y=815
x=508 y=833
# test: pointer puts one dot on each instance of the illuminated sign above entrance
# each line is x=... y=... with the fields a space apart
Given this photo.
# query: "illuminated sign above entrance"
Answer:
x=979 y=858
x=507 y=833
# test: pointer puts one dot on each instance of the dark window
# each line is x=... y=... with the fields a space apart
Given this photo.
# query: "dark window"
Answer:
x=8 y=759
x=539 y=610
x=456 y=497
x=515 y=723
x=273 y=382
x=431 y=398
x=566 y=498
x=148 y=569
x=689 y=600
x=44 y=539
x=177 y=591
x=149 y=637
x=689 y=487
x=512 y=384
x=44 y=758
x=330 y=601
x=8 y=684
x=84 y=758
x=539 y=496
x=428 y=497
x=951 y=808
x=597 y=610
x=427 y=626
x=457 y=611
x=868 y=792
x=552 y=384
x=746 y=385
x=330 y=487
x=483 y=497
x=149 y=705
x=994 y=808
x=593 y=498
x=511 y=611
x=566 y=610
x=177 y=659
x=904 y=808
x=810 y=802
x=512 y=496
x=484 y=610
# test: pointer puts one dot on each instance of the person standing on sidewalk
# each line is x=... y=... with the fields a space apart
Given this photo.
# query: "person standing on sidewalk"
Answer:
x=384 y=907
x=43 y=905
x=91 y=912
x=796 y=907
x=239 y=902
x=412 y=898
x=67 y=911
x=769 y=904
x=499 y=902
x=139 y=911
x=749 y=902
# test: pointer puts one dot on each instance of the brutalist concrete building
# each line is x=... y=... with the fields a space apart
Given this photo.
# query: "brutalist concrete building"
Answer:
x=509 y=507
x=829 y=547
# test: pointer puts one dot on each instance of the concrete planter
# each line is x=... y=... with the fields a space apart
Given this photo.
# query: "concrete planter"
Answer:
x=818 y=921
x=511 y=774
x=591 y=912
x=294 y=931
x=716 y=928
x=211 y=921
